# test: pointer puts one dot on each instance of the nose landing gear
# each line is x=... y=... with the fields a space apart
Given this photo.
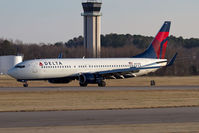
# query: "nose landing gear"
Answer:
x=25 y=84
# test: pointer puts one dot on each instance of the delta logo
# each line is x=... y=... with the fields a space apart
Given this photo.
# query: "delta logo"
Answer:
x=51 y=63
x=41 y=64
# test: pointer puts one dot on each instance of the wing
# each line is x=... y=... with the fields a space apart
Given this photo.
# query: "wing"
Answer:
x=119 y=73
x=128 y=72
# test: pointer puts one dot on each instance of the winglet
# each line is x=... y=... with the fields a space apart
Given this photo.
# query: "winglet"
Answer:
x=172 y=60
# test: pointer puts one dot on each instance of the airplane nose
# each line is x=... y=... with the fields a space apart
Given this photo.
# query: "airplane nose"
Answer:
x=11 y=72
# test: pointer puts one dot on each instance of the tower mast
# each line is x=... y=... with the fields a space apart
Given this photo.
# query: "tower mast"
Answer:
x=92 y=27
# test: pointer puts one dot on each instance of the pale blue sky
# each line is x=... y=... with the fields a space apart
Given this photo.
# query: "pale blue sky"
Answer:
x=50 y=21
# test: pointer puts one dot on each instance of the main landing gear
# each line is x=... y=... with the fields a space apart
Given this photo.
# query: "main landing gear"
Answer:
x=100 y=84
x=83 y=84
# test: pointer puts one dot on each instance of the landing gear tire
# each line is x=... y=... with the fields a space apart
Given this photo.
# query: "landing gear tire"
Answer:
x=83 y=84
x=25 y=85
x=102 y=84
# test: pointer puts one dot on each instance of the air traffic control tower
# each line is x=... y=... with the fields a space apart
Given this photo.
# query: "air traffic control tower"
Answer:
x=92 y=27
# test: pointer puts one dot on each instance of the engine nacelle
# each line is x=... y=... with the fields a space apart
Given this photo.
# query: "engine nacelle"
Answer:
x=59 y=81
x=129 y=75
x=89 y=78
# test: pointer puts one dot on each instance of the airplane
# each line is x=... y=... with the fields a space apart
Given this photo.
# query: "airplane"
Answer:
x=96 y=70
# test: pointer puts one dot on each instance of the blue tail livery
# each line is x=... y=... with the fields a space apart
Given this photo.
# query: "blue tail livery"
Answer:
x=157 y=48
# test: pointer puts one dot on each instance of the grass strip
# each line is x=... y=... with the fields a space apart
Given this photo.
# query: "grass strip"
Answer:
x=96 y=100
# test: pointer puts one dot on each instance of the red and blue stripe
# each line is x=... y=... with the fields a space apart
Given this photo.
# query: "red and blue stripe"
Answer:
x=157 y=49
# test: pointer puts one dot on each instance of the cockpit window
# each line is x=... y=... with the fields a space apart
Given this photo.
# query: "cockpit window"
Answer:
x=20 y=66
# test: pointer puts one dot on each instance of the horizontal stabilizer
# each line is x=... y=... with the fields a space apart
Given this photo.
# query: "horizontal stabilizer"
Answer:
x=172 y=60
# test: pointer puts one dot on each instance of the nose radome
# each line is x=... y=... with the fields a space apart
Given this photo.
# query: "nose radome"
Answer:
x=10 y=72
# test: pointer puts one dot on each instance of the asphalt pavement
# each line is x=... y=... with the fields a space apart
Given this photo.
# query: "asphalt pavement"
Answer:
x=99 y=117
x=99 y=88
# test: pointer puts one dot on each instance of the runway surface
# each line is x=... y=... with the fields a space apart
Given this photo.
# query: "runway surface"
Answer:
x=98 y=117
x=99 y=88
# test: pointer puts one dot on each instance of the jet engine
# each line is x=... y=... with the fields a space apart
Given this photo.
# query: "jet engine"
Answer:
x=90 y=78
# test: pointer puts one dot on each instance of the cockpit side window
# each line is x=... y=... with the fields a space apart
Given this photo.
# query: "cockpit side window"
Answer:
x=20 y=66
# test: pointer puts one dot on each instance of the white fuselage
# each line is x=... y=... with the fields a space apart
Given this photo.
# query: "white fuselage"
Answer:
x=57 y=68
